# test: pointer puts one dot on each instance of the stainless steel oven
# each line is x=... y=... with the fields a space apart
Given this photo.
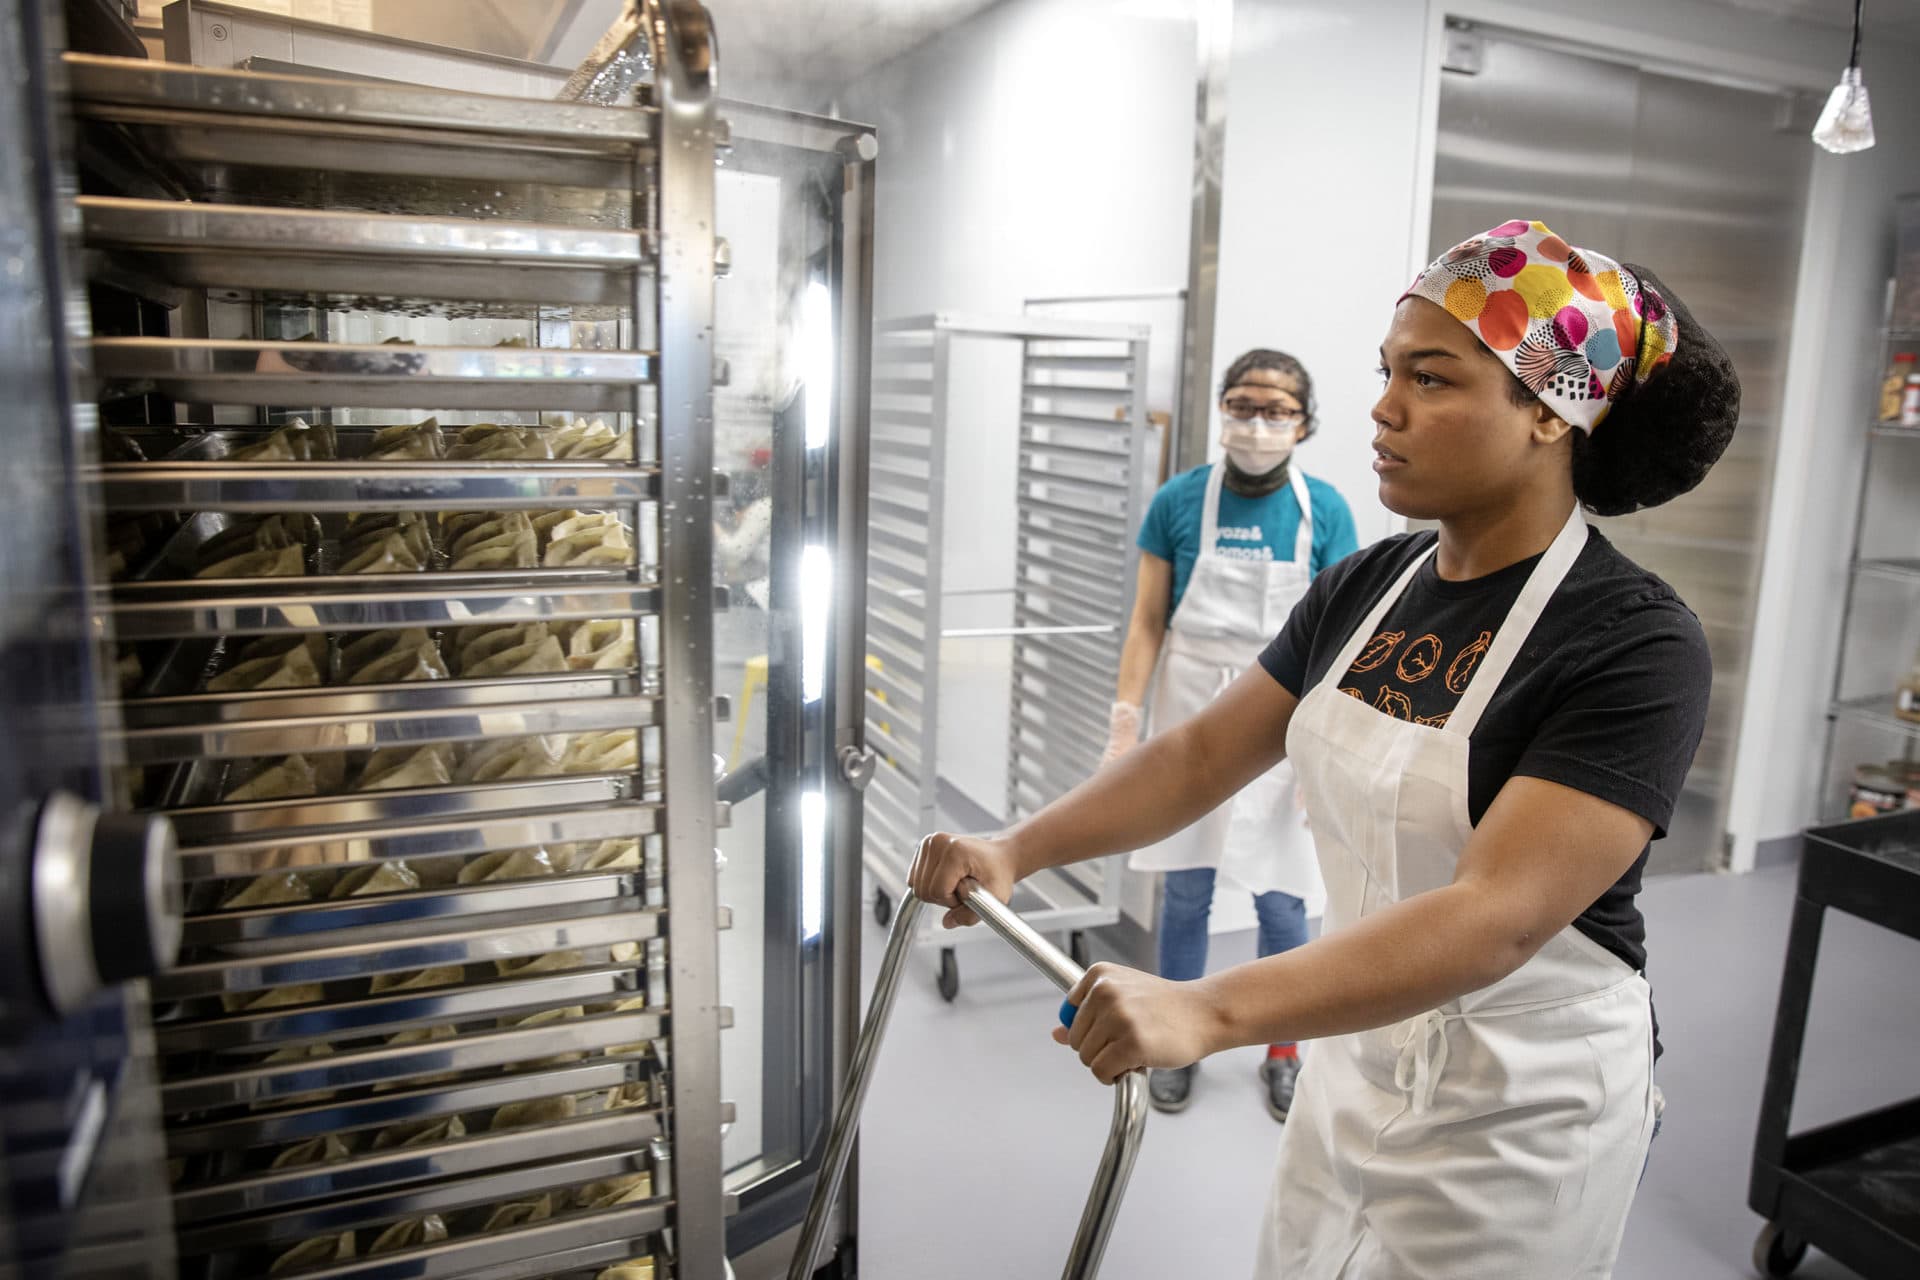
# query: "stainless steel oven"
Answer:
x=441 y=560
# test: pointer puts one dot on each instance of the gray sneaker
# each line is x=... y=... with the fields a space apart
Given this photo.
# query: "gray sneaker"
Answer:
x=1170 y=1090
x=1280 y=1075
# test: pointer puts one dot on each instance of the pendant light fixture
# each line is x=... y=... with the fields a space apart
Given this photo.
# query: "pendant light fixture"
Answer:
x=1846 y=123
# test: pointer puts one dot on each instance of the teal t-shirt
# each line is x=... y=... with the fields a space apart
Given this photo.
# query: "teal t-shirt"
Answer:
x=1257 y=528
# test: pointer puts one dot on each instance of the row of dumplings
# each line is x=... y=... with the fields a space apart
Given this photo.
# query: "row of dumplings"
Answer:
x=428 y=441
x=398 y=875
x=437 y=764
x=414 y=653
x=285 y=545
x=411 y=1233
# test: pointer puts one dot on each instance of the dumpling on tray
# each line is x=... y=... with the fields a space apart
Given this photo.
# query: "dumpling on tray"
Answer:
x=386 y=877
x=282 y=562
x=291 y=777
x=414 y=442
x=420 y=1133
x=314 y=1253
x=601 y=645
x=389 y=553
x=313 y=1151
x=609 y=1192
x=506 y=758
x=607 y=544
x=294 y=668
x=509 y=864
x=519 y=1213
x=535 y=657
x=417 y=980
x=514 y=1115
x=615 y=751
x=400 y=768
x=409 y=1233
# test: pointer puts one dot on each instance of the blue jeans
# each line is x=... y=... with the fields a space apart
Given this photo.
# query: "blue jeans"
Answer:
x=1186 y=903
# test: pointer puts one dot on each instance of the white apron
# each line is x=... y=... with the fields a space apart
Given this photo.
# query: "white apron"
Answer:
x=1231 y=609
x=1502 y=1134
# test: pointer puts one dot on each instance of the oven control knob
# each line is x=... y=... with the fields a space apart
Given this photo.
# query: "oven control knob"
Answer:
x=106 y=899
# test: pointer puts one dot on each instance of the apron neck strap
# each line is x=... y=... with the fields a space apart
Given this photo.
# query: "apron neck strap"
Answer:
x=1512 y=636
x=1210 y=506
x=1303 y=544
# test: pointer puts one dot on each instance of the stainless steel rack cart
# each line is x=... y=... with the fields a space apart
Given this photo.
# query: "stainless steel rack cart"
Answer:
x=1081 y=448
x=1880 y=620
x=1848 y=1187
x=1129 y=1092
x=429 y=702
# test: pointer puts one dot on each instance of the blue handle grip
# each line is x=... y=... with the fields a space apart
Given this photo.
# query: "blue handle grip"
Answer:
x=1067 y=1009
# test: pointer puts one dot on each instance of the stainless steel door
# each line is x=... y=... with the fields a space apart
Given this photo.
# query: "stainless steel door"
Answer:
x=81 y=1192
x=1707 y=184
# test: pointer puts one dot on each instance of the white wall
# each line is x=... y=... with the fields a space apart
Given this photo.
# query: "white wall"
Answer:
x=1042 y=148
x=1330 y=126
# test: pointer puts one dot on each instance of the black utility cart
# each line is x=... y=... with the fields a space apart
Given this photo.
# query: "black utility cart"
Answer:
x=1852 y=1188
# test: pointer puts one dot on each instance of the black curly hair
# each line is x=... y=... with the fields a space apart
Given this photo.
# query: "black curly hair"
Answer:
x=1287 y=367
x=1666 y=433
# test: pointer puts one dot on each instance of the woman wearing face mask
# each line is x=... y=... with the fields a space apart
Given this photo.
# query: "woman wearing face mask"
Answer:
x=1489 y=724
x=1226 y=551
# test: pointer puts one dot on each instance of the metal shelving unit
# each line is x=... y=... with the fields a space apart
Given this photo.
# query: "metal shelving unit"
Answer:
x=1080 y=450
x=1892 y=458
x=467 y=1026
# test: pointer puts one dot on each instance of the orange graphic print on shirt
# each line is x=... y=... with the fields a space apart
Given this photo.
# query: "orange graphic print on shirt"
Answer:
x=1378 y=650
x=1408 y=691
x=1464 y=663
x=1421 y=659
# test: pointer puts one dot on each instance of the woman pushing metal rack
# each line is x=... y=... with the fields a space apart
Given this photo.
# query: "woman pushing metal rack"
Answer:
x=1488 y=725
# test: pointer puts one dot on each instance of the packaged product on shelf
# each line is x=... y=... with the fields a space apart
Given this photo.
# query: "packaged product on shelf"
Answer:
x=1895 y=385
x=1906 y=703
x=1875 y=791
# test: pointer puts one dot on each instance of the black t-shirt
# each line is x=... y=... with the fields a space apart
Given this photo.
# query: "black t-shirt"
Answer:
x=1608 y=696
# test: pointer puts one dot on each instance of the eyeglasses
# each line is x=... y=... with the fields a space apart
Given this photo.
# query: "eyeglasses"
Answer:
x=1282 y=415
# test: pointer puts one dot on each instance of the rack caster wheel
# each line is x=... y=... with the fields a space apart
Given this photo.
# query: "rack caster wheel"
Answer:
x=1078 y=949
x=949 y=974
x=882 y=908
x=1776 y=1252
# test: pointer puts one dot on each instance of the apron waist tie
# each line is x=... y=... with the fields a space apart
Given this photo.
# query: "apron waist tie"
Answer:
x=1422 y=1042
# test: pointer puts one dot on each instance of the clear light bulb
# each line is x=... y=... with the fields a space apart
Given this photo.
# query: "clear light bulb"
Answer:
x=1846 y=122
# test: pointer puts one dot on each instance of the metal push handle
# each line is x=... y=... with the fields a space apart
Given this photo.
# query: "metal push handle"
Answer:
x=1129 y=1092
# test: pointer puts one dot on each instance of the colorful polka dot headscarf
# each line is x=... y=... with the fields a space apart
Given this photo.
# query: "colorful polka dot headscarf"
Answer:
x=1568 y=322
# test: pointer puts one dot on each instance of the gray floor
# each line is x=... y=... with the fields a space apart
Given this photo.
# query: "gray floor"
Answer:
x=981 y=1134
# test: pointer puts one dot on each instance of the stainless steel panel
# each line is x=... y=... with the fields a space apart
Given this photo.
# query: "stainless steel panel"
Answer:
x=1704 y=184
x=263 y=374
x=239 y=487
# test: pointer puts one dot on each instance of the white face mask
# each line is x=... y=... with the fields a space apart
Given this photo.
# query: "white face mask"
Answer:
x=1255 y=447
